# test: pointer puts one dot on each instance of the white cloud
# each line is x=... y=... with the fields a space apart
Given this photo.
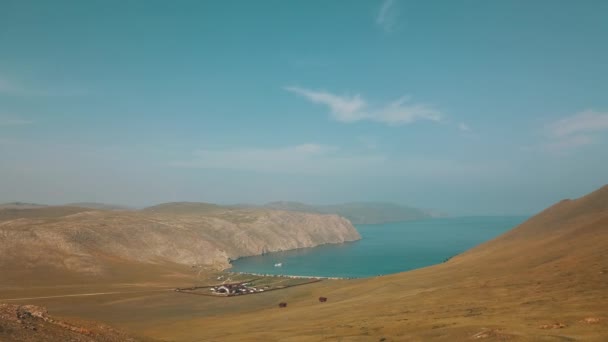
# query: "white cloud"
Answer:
x=7 y=87
x=402 y=112
x=306 y=158
x=368 y=142
x=584 y=122
x=312 y=148
x=353 y=108
x=575 y=131
x=567 y=143
x=343 y=108
x=4 y=121
x=464 y=127
x=442 y=169
x=387 y=16
x=335 y=163
x=56 y=89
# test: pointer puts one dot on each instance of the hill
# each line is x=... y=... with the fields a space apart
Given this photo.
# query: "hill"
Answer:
x=20 y=205
x=185 y=208
x=29 y=323
x=98 y=206
x=42 y=212
x=358 y=212
x=54 y=245
x=545 y=280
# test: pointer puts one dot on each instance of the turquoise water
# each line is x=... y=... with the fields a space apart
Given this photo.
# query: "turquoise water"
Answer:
x=384 y=248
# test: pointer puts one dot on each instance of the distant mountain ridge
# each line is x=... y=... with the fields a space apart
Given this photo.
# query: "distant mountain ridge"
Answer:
x=86 y=205
x=185 y=208
x=358 y=212
x=21 y=205
x=99 y=206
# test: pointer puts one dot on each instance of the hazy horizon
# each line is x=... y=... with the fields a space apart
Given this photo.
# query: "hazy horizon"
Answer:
x=260 y=204
x=483 y=108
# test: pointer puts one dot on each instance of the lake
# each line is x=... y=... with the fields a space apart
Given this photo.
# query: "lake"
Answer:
x=384 y=248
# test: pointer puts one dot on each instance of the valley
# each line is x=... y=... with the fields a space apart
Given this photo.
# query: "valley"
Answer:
x=544 y=280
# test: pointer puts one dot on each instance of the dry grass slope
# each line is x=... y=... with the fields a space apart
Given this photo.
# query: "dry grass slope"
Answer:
x=546 y=280
x=75 y=241
x=29 y=323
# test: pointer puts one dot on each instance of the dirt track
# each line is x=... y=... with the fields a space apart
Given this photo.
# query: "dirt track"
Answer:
x=82 y=295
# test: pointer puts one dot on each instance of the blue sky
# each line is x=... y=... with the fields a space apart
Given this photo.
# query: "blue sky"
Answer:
x=472 y=107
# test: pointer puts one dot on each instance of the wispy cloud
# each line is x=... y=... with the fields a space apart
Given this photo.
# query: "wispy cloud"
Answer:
x=464 y=127
x=14 y=88
x=353 y=108
x=7 y=87
x=330 y=161
x=5 y=121
x=307 y=158
x=581 y=123
x=567 y=143
x=387 y=16
x=575 y=131
x=343 y=108
x=369 y=142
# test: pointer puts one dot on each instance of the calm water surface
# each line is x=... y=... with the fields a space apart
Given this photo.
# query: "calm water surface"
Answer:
x=385 y=248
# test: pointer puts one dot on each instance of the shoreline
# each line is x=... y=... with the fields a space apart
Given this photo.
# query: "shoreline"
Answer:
x=266 y=252
x=393 y=236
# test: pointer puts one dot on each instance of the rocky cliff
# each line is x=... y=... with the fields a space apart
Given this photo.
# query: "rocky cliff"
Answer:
x=86 y=241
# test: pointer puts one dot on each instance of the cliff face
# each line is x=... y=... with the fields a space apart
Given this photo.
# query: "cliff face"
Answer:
x=83 y=242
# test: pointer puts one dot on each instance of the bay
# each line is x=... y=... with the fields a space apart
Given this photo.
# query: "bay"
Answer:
x=384 y=248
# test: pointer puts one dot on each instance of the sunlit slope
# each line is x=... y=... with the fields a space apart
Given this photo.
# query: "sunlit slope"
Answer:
x=63 y=245
x=188 y=208
x=42 y=212
x=571 y=231
x=545 y=280
x=31 y=323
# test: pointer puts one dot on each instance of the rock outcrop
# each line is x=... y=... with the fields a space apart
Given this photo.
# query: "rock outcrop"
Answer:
x=32 y=323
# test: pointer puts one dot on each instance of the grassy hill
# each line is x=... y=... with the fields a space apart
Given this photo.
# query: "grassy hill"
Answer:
x=41 y=212
x=55 y=245
x=99 y=206
x=21 y=205
x=545 y=280
x=179 y=208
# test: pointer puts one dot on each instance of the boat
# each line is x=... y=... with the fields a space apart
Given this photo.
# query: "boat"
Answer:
x=278 y=264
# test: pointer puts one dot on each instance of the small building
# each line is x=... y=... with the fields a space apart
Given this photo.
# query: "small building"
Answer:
x=224 y=289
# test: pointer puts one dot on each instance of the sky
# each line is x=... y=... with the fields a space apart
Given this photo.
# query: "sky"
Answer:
x=467 y=107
